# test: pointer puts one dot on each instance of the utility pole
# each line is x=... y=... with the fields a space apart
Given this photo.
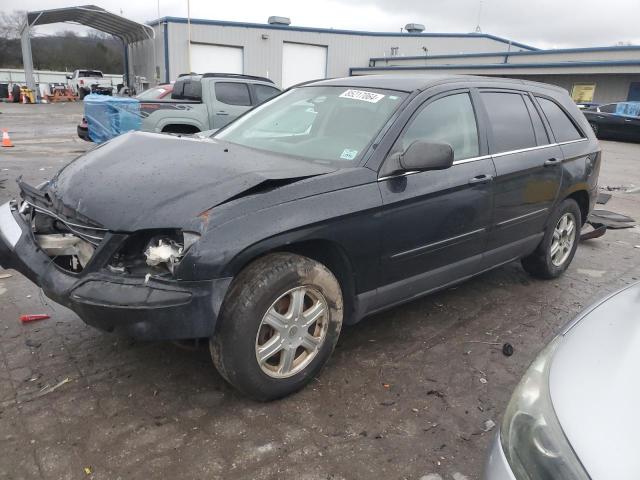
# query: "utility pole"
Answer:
x=189 y=34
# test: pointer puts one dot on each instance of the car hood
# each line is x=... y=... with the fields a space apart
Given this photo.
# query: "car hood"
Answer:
x=595 y=387
x=143 y=180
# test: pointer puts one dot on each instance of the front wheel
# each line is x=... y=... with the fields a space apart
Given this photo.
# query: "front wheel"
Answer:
x=559 y=244
x=279 y=324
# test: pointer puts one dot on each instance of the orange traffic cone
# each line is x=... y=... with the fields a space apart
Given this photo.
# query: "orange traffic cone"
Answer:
x=6 y=141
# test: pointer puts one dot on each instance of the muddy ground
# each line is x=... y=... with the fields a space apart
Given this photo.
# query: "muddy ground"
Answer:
x=406 y=395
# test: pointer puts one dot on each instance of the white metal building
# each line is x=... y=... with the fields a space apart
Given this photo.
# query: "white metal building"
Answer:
x=290 y=54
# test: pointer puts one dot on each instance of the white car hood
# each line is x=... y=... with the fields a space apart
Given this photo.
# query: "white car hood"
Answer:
x=595 y=387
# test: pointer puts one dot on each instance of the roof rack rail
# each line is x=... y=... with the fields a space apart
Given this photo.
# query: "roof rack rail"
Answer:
x=187 y=74
x=236 y=75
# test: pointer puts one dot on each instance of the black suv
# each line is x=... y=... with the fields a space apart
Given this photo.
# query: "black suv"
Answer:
x=330 y=202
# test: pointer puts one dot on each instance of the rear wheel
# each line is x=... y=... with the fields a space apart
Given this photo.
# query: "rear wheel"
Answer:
x=278 y=326
x=559 y=244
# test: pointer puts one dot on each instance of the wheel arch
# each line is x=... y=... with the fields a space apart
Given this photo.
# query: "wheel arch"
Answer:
x=328 y=252
x=185 y=128
x=581 y=197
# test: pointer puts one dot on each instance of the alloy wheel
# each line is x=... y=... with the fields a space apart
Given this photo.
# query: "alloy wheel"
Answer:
x=292 y=332
x=564 y=236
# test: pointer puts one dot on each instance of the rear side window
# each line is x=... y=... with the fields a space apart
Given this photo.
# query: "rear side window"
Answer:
x=449 y=120
x=538 y=127
x=233 y=93
x=510 y=121
x=563 y=128
x=192 y=90
x=263 y=93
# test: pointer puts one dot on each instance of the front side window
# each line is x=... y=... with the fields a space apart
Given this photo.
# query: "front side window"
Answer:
x=233 y=93
x=318 y=123
x=448 y=120
x=509 y=120
x=563 y=128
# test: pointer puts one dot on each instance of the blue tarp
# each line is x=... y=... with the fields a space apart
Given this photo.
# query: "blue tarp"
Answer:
x=107 y=116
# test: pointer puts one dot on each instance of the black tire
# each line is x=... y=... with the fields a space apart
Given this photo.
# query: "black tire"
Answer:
x=82 y=93
x=540 y=263
x=595 y=128
x=252 y=294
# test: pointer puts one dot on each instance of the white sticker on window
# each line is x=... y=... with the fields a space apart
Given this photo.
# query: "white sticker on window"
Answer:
x=370 y=97
x=348 y=154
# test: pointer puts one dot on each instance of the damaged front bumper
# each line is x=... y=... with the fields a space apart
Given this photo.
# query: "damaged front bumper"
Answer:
x=144 y=308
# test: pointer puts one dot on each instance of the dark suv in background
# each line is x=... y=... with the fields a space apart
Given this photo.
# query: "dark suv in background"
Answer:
x=330 y=202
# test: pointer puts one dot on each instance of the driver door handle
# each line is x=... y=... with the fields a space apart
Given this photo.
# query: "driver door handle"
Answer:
x=484 y=178
x=552 y=162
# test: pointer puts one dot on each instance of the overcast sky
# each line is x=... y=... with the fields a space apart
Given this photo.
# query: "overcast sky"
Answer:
x=541 y=23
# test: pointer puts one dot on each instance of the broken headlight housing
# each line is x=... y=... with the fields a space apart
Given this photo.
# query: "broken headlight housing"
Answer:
x=532 y=438
x=152 y=252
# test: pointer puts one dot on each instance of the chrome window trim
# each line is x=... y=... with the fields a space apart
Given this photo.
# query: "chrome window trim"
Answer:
x=494 y=155
x=435 y=244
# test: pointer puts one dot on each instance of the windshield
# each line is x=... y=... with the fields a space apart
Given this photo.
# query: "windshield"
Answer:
x=334 y=124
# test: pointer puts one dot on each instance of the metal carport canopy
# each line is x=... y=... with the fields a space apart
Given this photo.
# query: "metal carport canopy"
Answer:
x=89 y=15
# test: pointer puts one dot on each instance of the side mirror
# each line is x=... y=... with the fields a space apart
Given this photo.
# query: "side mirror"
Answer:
x=426 y=156
x=69 y=76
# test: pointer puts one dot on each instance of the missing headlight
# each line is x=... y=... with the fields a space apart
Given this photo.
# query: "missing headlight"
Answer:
x=164 y=251
x=152 y=252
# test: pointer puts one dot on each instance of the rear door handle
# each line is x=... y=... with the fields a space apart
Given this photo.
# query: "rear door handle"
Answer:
x=484 y=178
x=552 y=162
x=222 y=112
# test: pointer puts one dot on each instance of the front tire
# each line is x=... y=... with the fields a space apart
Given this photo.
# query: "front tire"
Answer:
x=279 y=324
x=559 y=244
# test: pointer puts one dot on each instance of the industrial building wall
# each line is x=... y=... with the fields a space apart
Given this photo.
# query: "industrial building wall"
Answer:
x=616 y=54
x=263 y=47
x=609 y=88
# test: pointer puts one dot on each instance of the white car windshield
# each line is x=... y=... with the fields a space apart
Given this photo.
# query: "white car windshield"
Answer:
x=328 y=124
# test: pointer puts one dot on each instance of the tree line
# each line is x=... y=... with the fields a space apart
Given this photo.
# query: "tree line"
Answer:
x=64 y=51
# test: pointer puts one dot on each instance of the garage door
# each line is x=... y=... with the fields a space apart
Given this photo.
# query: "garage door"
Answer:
x=302 y=62
x=216 y=58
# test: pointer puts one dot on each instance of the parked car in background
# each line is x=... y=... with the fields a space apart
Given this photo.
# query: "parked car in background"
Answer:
x=574 y=414
x=198 y=103
x=156 y=93
x=205 y=102
x=615 y=120
x=84 y=82
x=271 y=234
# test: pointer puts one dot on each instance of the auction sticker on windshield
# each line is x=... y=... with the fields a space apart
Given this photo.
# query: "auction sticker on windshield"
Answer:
x=363 y=95
x=348 y=154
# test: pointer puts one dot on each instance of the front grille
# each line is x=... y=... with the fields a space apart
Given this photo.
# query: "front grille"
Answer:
x=90 y=233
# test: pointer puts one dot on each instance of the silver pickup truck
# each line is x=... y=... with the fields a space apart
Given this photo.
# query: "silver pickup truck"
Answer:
x=201 y=102
x=205 y=102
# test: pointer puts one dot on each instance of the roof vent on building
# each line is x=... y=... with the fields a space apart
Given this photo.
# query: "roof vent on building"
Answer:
x=414 y=27
x=273 y=20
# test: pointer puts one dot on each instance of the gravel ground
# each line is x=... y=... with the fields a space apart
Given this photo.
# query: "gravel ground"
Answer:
x=406 y=394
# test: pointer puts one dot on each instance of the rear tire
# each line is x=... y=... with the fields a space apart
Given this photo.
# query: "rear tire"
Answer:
x=279 y=324
x=559 y=244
